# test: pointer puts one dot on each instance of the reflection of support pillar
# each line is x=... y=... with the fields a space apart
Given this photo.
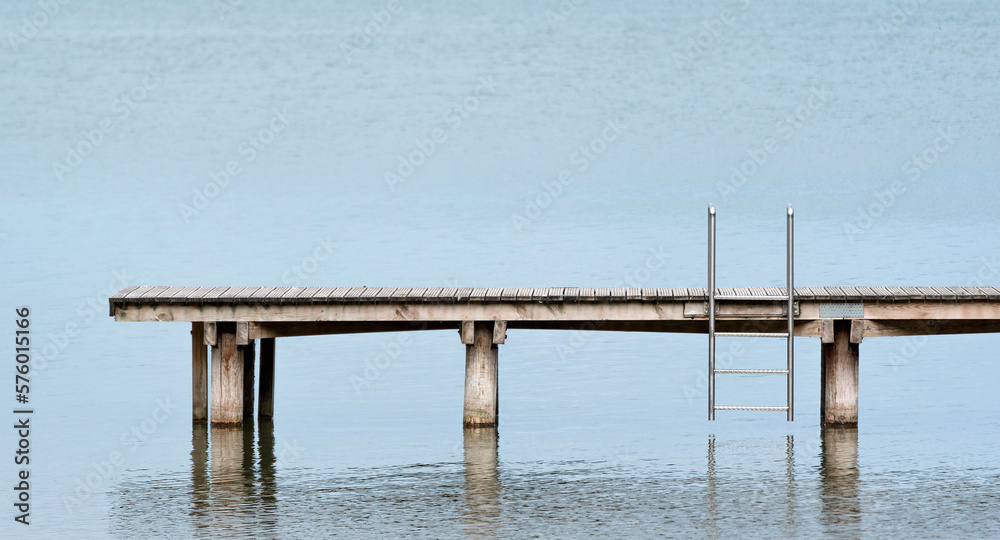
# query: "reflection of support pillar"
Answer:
x=839 y=377
x=839 y=475
x=226 y=466
x=266 y=406
x=199 y=469
x=265 y=447
x=482 y=481
x=249 y=463
x=227 y=377
x=249 y=358
x=481 y=354
x=199 y=373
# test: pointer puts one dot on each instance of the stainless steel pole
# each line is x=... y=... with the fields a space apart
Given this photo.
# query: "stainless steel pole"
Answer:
x=791 y=315
x=711 y=312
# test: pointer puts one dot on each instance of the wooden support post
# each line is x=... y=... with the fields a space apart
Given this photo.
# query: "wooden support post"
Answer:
x=227 y=378
x=199 y=373
x=266 y=398
x=249 y=361
x=481 y=399
x=839 y=377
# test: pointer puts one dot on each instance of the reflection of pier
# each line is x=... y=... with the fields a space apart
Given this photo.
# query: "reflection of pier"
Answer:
x=839 y=475
x=227 y=473
x=713 y=487
x=482 y=482
x=838 y=479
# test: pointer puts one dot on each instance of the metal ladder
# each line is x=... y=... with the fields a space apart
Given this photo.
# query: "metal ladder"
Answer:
x=712 y=334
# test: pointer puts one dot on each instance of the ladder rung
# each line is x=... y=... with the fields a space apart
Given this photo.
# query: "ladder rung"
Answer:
x=752 y=334
x=736 y=297
x=754 y=371
x=748 y=408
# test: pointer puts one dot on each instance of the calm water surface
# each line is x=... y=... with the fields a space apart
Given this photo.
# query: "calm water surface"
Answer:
x=193 y=144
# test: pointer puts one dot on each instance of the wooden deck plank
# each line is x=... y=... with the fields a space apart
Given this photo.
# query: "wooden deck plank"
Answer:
x=524 y=294
x=175 y=292
x=509 y=294
x=276 y=294
x=215 y=293
x=478 y=294
x=124 y=292
x=449 y=293
x=371 y=292
x=331 y=293
x=914 y=293
x=154 y=292
x=416 y=292
x=308 y=292
x=633 y=293
x=962 y=293
x=137 y=292
x=493 y=293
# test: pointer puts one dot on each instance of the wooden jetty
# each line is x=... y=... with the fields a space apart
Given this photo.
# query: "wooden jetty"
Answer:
x=229 y=321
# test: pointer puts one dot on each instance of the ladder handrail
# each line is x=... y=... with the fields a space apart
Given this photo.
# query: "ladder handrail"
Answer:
x=711 y=312
x=791 y=312
x=790 y=335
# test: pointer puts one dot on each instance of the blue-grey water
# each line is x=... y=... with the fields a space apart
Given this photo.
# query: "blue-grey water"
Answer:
x=456 y=143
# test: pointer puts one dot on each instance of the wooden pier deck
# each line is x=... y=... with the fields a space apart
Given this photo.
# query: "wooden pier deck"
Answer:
x=231 y=319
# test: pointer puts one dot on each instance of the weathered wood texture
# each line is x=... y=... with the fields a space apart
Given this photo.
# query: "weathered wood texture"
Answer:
x=266 y=394
x=199 y=373
x=281 y=295
x=481 y=389
x=227 y=381
x=249 y=363
x=839 y=377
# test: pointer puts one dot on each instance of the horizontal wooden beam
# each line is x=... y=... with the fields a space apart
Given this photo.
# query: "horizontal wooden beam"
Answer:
x=264 y=330
x=891 y=328
x=523 y=311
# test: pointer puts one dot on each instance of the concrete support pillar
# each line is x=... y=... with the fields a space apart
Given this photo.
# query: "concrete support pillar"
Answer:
x=839 y=377
x=481 y=398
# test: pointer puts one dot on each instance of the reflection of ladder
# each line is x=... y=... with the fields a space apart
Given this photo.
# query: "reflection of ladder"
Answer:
x=789 y=296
